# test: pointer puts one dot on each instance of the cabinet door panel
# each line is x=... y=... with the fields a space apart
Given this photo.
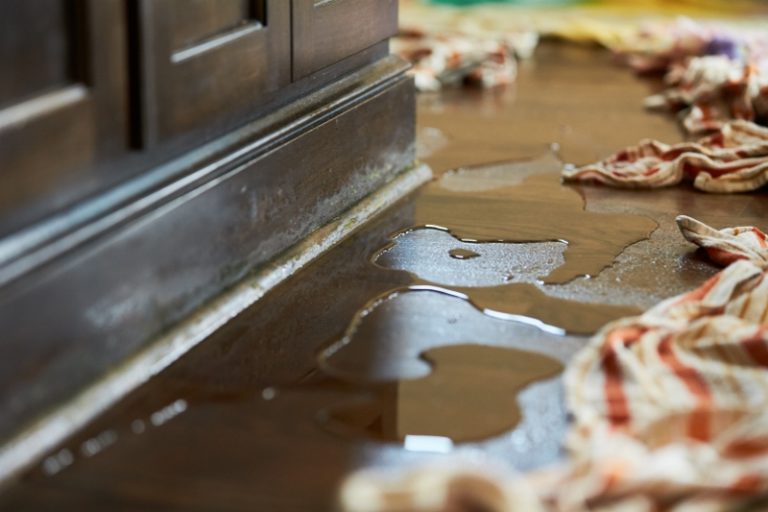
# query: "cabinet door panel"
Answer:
x=34 y=59
x=209 y=61
x=326 y=31
x=62 y=102
x=197 y=20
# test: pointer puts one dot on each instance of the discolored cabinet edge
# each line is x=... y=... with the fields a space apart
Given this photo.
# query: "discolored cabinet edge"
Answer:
x=82 y=314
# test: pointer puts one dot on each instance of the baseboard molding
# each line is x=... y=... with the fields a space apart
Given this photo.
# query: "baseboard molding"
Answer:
x=28 y=446
x=87 y=291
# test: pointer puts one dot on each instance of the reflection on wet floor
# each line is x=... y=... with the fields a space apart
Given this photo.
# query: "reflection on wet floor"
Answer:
x=470 y=394
x=408 y=351
x=386 y=339
x=483 y=177
x=519 y=225
x=537 y=209
x=436 y=256
x=518 y=300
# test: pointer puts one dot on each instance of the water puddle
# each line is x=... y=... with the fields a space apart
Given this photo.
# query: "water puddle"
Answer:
x=437 y=257
x=526 y=300
x=411 y=376
x=498 y=281
x=385 y=340
x=470 y=394
x=495 y=234
x=485 y=240
x=526 y=202
x=497 y=175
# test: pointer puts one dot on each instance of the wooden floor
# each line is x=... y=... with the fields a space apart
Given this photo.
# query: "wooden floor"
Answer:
x=354 y=361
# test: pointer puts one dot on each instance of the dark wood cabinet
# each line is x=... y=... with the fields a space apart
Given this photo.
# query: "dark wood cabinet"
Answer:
x=203 y=61
x=154 y=153
x=63 y=104
x=326 y=31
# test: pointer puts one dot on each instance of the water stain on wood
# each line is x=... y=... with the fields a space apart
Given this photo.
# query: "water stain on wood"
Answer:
x=538 y=209
x=470 y=394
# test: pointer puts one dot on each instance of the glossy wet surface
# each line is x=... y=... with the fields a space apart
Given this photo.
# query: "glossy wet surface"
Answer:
x=538 y=208
x=391 y=349
x=469 y=394
x=431 y=255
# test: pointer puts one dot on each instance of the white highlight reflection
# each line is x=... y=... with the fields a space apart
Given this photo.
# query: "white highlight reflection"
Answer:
x=434 y=444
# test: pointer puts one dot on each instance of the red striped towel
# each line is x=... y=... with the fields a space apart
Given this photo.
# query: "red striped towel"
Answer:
x=670 y=409
x=711 y=90
x=733 y=159
x=726 y=245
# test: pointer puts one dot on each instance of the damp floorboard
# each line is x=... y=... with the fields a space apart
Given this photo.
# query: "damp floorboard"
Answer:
x=415 y=325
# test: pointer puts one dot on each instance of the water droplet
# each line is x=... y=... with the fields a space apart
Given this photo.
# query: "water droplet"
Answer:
x=55 y=463
x=98 y=443
x=138 y=426
x=462 y=254
x=168 y=412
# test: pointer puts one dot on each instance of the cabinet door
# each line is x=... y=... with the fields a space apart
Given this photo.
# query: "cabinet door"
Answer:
x=207 y=62
x=62 y=102
x=326 y=31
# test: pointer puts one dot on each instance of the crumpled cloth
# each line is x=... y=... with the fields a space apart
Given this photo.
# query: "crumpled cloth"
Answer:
x=709 y=91
x=456 y=485
x=732 y=159
x=454 y=58
x=670 y=409
x=657 y=45
x=672 y=405
x=714 y=72
x=727 y=245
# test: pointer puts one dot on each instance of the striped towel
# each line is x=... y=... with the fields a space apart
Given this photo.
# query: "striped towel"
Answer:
x=733 y=159
x=714 y=89
x=726 y=245
x=714 y=72
x=451 y=57
x=670 y=409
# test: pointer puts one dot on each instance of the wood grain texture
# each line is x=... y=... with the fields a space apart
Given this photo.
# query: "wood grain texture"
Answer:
x=196 y=20
x=229 y=74
x=97 y=127
x=54 y=135
x=37 y=58
x=325 y=32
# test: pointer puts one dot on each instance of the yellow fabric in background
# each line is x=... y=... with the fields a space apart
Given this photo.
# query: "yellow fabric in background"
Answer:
x=609 y=22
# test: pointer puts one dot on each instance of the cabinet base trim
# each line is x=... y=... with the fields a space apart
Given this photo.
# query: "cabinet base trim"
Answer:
x=48 y=431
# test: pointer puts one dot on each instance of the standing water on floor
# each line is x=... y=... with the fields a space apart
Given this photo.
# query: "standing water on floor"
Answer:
x=500 y=206
x=486 y=237
x=470 y=394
